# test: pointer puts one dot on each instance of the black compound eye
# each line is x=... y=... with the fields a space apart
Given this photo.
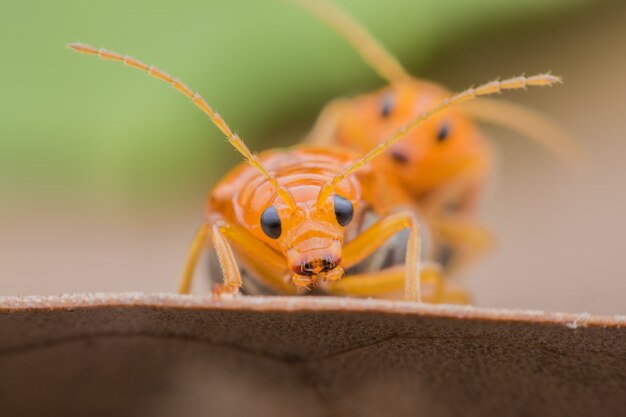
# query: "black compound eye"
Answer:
x=270 y=223
x=398 y=157
x=386 y=106
x=443 y=133
x=344 y=210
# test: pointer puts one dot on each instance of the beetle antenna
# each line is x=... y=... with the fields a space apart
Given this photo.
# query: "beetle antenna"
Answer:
x=196 y=99
x=370 y=49
x=489 y=88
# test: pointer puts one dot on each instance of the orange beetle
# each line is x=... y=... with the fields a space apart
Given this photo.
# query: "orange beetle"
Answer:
x=292 y=216
x=441 y=167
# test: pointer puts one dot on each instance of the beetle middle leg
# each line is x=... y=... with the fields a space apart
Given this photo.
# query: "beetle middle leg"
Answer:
x=467 y=239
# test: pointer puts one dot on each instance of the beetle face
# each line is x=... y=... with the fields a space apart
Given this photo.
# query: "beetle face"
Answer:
x=430 y=154
x=303 y=224
x=311 y=237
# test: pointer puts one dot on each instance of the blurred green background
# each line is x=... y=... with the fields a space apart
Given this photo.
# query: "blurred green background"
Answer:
x=104 y=171
x=69 y=123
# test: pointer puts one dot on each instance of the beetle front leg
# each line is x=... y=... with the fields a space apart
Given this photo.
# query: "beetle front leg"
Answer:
x=371 y=239
x=228 y=263
x=225 y=255
x=266 y=263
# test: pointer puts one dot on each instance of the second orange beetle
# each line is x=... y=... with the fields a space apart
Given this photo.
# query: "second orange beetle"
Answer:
x=438 y=169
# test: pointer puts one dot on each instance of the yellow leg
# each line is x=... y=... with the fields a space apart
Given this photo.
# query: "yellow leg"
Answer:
x=278 y=280
x=384 y=281
x=371 y=239
x=325 y=129
x=270 y=270
x=246 y=243
x=463 y=231
x=226 y=257
x=455 y=295
x=391 y=280
x=468 y=239
x=265 y=263
x=198 y=244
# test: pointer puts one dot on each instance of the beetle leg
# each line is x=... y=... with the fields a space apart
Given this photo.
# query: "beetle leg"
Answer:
x=276 y=279
x=324 y=131
x=230 y=270
x=466 y=238
x=383 y=281
x=228 y=263
x=198 y=244
x=222 y=234
x=371 y=239
x=391 y=280
x=265 y=263
x=464 y=231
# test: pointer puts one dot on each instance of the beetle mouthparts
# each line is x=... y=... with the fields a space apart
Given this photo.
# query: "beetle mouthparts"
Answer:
x=306 y=280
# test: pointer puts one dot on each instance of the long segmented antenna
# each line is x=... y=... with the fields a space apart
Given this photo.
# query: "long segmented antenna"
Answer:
x=196 y=99
x=492 y=87
x=370 y=49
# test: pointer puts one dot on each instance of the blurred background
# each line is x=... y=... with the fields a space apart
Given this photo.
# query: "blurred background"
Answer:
x=104 y=172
